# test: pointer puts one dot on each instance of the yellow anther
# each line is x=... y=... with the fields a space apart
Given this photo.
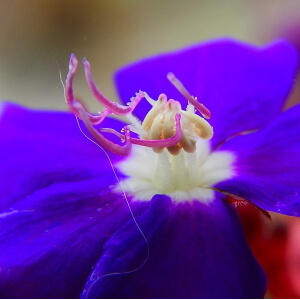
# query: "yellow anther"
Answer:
x=202 y=128
x=158 y=108
x=159 y=123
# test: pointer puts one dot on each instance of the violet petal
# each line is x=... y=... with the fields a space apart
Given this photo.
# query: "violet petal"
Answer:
x=243 y=86
x=50 y=240
x=40 y=148
x=267 y=165
x=195 y=251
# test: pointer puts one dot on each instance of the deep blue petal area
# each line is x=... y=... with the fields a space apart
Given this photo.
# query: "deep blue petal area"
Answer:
x=51 y=239
x=195 y=251
x=267 y=165
x=57 y=208
x=243 y=86
x=39 y=148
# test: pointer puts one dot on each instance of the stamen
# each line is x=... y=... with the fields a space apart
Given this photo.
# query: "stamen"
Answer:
x=161 y=128
x=114 y=107
x=181 y=88
x=69 y=95
x=157 y=108
x=149 y=99
x=169 y=142
x=112 y=147
x=136 y=125
x=201 y=127
x=134 y=121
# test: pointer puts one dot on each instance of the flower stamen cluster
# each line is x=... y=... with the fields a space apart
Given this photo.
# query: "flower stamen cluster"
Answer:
x=166 y=125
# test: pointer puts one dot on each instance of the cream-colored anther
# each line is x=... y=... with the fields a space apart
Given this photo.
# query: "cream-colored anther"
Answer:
x=159 y=123
x=168 y=128
x=187 y=142
x=158 y=108
x=201 y=127
x=169 y=131
x=156 y=130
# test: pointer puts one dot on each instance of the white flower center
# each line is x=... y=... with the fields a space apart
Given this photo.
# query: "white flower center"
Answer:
x=183 y=177
x=171 y=155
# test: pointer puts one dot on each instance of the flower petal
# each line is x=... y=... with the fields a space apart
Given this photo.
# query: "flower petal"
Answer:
x=39 y=148
x=268 y=165
x=243 y=86
x=57 y=209
x=195 y=251
x=50 y=240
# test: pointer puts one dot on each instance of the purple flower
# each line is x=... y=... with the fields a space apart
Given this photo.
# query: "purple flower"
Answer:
x=67 y=230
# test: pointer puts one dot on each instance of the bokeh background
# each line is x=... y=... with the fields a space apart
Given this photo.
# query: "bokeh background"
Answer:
x=37 y=37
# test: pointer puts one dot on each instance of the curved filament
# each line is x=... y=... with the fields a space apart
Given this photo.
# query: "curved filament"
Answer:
x=175 y=139
x=185 y=93
x=114 y=107
x=69 y=95
x=160 y=124
x=104 y=142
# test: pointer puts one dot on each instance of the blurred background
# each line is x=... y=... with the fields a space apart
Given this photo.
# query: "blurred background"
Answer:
x=37 y=37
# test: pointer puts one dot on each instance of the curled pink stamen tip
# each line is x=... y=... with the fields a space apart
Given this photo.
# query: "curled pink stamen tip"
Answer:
x=100 y=139
x=204 y=111
x=185 y=93
x=86 y=63
x=73 y=61
x=113 y=107
x=169 y=142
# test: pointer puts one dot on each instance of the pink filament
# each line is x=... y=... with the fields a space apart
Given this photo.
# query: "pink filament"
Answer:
x=153 y=143
x=111 y=107
x=180 y=87
x=114 y=107
x=112 y=147
x=69 y=95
